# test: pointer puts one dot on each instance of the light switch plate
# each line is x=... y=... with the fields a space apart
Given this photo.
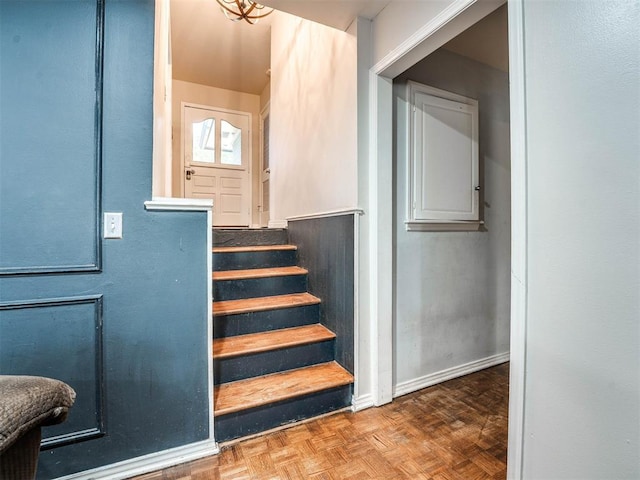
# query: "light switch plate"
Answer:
x=112 y=226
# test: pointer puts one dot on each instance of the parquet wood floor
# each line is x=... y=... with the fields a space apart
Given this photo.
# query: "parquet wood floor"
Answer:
x=456 y=430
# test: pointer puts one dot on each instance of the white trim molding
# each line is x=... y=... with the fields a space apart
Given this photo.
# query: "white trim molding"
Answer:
x=330 y=213
x=362 y=402
x=380 y=235
x=148 y=463
x=277 y=224
x=179 y=204
x=416 y=384
x=356 y=309
x=443 y=226
x=422 y=34
x=210 y=386
x=434 y=34
x=519 y=234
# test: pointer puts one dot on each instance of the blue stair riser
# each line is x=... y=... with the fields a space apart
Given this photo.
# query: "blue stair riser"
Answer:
x=258 y=287
x=246 y=260
x=254 y=322
x=249 y=237
x=248 y=422
x=247 y=366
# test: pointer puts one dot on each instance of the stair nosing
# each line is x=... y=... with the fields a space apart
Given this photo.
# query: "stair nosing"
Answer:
x=267 y=341
x=340 y=376
x=254 y=273
x=302 y=299
x=254 y=248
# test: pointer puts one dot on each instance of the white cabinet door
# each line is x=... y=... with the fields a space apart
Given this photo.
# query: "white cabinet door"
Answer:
x=444 y=157
x=216 y=162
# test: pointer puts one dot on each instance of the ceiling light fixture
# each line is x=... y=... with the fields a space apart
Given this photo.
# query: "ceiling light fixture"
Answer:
x=248 y=10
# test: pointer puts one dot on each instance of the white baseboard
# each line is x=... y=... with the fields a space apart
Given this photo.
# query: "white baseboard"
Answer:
x=148 y=463
x=410 y=386
x=362 y=402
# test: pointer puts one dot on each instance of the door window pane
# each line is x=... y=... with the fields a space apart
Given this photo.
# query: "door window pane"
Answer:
x=204 y=141
x=231 y=144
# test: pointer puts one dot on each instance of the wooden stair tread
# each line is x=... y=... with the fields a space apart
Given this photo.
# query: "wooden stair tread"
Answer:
x=271 y=340
x=255 y=392
x=254 y=248
x=259 y=304
x=258 y=273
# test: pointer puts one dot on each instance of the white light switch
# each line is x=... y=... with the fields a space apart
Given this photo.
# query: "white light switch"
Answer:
x=112 y=225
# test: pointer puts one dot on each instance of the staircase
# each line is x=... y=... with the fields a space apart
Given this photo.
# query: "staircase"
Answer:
x=273 y=360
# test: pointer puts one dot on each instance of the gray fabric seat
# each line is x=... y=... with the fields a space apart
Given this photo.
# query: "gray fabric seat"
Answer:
x=26 y=404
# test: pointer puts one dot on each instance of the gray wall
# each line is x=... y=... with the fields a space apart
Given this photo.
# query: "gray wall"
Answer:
x=124 y=322
x=452 y=289
x=582 y=404
x=326 y=249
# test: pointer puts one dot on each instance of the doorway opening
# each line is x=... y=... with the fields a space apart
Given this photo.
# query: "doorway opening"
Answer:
x=204 y=62
x=452 y=287
x=380 y=164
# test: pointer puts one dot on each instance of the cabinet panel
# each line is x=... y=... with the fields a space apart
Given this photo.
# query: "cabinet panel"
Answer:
x=444 y=171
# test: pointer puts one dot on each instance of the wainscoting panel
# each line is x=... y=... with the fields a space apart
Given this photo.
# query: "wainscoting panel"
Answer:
x=326 y=249
x=62 y=339
x=51 y=136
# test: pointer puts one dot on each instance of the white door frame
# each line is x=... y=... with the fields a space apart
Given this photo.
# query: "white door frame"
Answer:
x=266 y=110
x=455 y=19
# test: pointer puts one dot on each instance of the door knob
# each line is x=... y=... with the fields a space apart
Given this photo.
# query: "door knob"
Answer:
x=189 y=172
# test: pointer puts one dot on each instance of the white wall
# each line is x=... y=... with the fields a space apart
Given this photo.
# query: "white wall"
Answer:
x=162 y=155
x=313 y=118
x=221 y=98
x=404 y=24
x=582 y=400
x=452 y=289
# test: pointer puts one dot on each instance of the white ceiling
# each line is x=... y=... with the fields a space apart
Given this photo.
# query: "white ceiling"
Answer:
x=209 y=49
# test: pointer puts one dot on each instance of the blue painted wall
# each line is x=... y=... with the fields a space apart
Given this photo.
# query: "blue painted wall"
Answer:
x=123 y=321
x=326 y=248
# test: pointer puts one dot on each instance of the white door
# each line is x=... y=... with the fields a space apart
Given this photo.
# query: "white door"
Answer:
x=216 y=162
x=265 y=168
